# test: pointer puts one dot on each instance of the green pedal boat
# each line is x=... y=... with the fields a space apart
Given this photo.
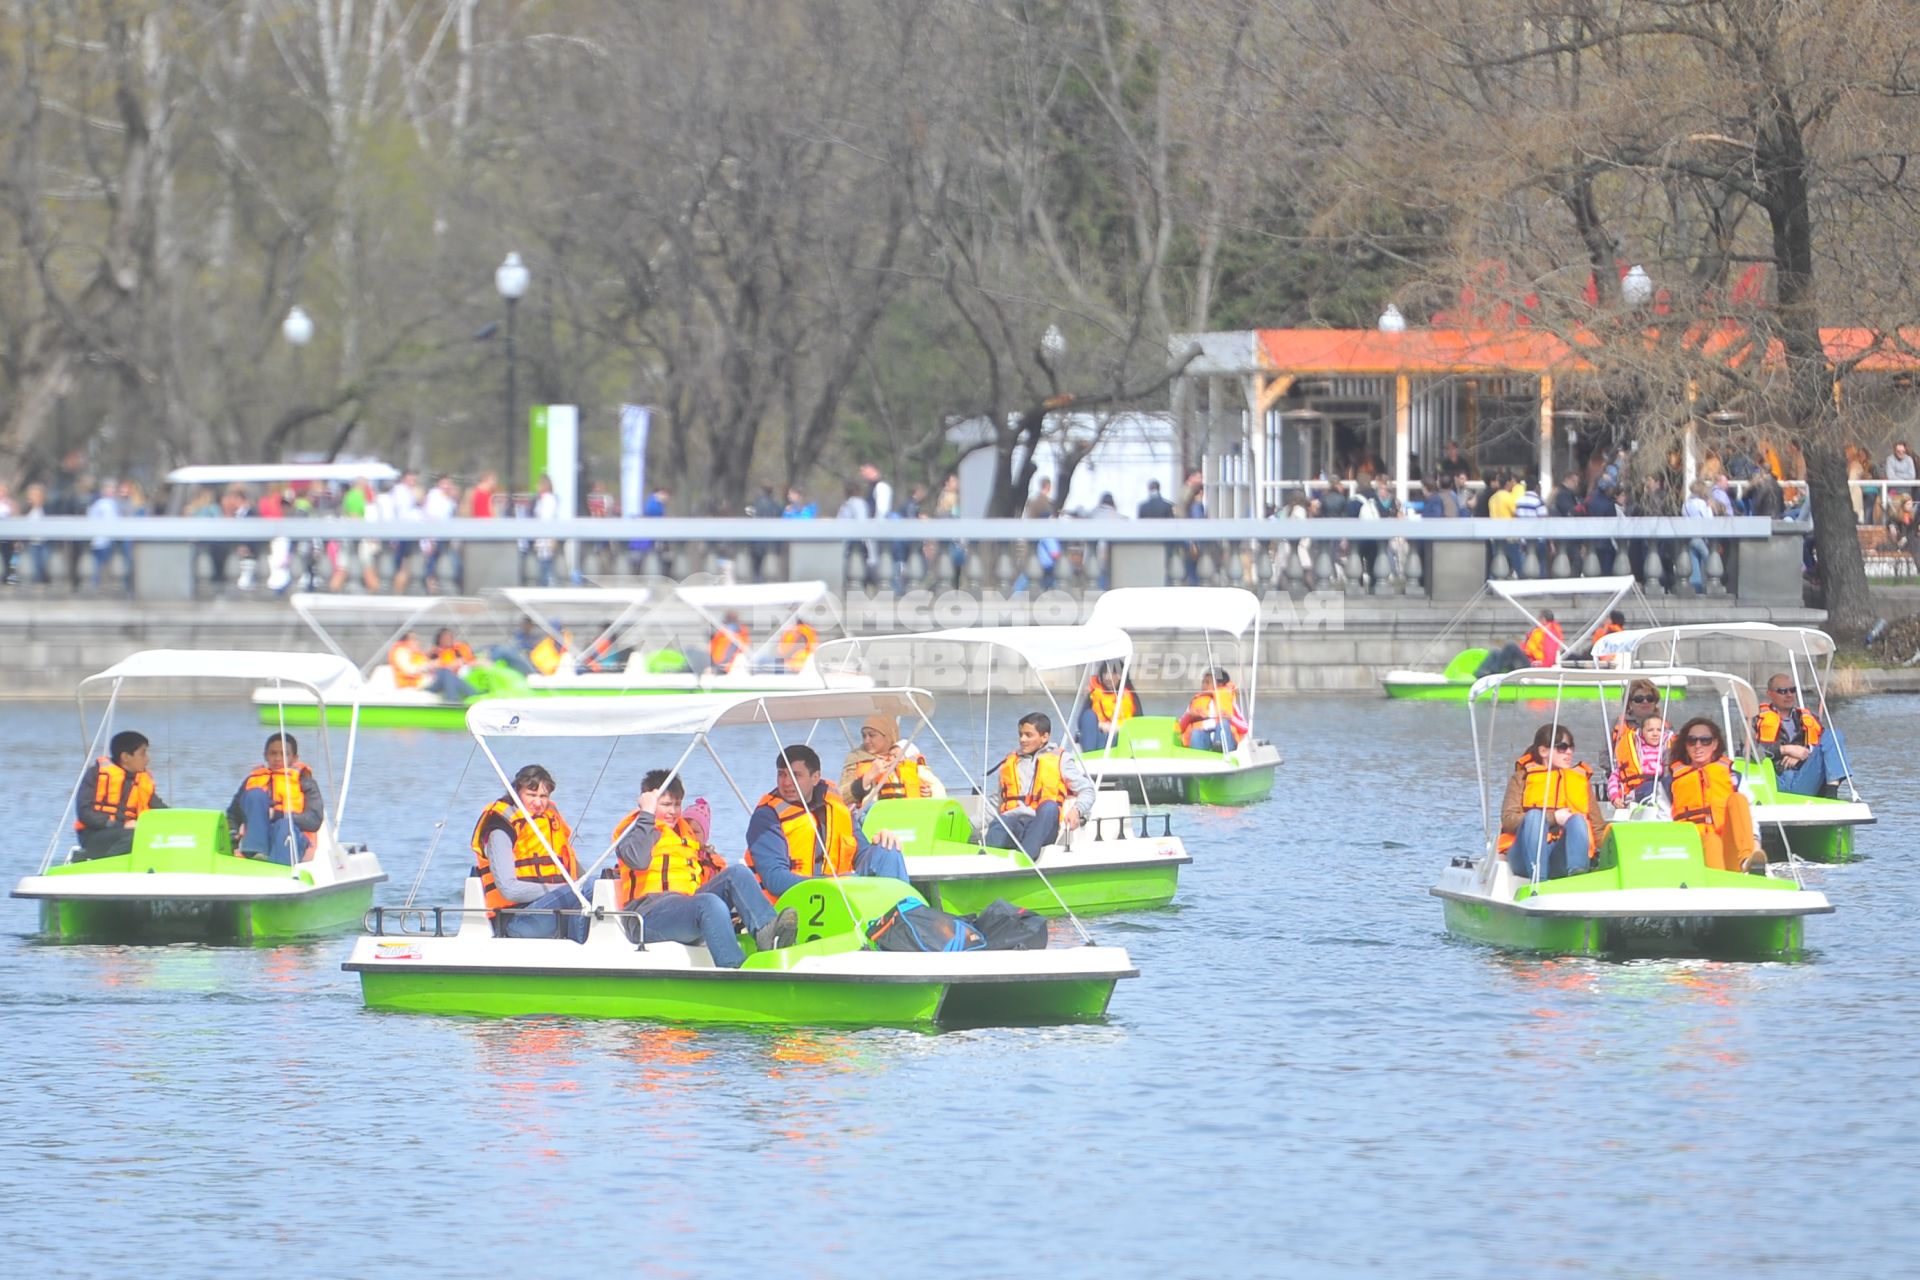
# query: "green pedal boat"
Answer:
x=1146 y=754
x=182 y=879
x=440 y=961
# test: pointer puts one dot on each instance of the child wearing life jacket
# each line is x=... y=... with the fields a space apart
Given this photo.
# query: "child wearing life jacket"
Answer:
x=1638 y=755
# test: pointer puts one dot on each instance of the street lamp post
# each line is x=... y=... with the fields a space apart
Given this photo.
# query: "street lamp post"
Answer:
x=297 y=329
x=511 y=279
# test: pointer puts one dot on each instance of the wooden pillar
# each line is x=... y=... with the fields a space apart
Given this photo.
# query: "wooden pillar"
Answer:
x=1546 y=434
x=1473 y=420
x=1402 y=436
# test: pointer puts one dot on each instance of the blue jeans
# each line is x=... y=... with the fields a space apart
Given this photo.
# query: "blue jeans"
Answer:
x=1027 y=832
x=1092 y=736
x=1211 y=739
x=1566 y=856
x=447 y=683
x=707 y=915
x=874 y=860
x=1698 y=551
x=277 y=839
x=1810 y=776
x=531 y=921
x=512 y=657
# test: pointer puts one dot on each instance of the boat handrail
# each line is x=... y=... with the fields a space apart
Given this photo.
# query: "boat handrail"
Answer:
x=411 y=922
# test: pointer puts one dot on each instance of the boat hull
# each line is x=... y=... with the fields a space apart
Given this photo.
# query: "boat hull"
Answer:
x=164 y=919
x=1084 y=891
x=1715 y=937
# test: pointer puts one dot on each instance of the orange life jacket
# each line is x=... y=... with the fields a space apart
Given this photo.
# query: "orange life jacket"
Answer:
x=1768 y=724
x=797 y=644
x=1542 y=645
x=727 y=645
x=902 y=783
x=1626 y=757
x=546 y=656
x=1699 y=793
x=1048 y=782
x=455 y=656
x=410 y=666
x=803 y=840
x=282 y=786
x=115 y=796
x=1207 y=710
x=677 y=865
x=1110 y=706
x=532 y=862
x=1549 y=789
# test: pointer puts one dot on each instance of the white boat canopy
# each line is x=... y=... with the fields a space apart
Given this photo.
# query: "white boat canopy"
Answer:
x=612 y=609
x=1548 y=679
x=324 y=674
x=1044 y=648
x=761 y=595
x=1806 y=641
x=282 y=473
x=1532 y=588
x=310 y=606
x=1228 y=609
x=690 y=714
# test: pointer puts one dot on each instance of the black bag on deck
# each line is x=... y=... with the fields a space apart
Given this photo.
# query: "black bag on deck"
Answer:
x=1010 y=928
x=913 y=926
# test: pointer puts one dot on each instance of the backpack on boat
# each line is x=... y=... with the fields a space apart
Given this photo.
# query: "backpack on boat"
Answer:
x=913 y=926
x=1010 y=928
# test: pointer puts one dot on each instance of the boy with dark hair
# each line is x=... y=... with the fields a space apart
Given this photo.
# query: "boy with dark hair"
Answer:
x=1032 y=792
x=681 y=888
x=114 y=791
x=278 y=806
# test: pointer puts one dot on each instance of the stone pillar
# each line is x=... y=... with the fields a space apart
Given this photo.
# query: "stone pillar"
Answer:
x=1139 y=564
x=1768 y=573
x=491 y=564
x=1456 y=569
x=824 y=561
x=163 y=570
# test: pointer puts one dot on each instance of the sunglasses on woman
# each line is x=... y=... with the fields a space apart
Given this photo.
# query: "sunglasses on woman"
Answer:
x=1701 y=740
x=1644 y=697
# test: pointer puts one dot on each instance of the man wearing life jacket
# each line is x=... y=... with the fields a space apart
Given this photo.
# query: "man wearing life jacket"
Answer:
x=802 y=829
x=1548 y=827
x=797 y=644
x=1108 y=706
x=1541 y=648
x=1807 y=756
x=1038 y=794
x=1699 y=787
x=413 y=669
x=278 y=806
x=883 y=767
x=524 y=851
x=683 y=890
x=731 y=646
x=1213 y=721
x=114 y=791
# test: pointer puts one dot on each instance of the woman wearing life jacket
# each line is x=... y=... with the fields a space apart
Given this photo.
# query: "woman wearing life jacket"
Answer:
x=731 y=646
x=114 y=791
x=1548 y=826
x=1699 y=787
x=883 y=767
x=1109 y=705
x=278 y=806
x=1639 y=754
x=681 y=889
x=524 y=851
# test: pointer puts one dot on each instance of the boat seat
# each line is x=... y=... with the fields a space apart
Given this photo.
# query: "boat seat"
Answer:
x=473 y=906
x=1148 y=735
x=921 y=824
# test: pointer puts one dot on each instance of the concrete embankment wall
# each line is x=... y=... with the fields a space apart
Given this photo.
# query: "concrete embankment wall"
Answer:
x=1321 y=644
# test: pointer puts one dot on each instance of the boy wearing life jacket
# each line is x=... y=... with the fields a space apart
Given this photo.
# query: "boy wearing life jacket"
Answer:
x=1807 y=756
x=524 y=851
x=114 y=791
x=802 y=829
x=1548 y=825
x=1109 y=705
x=682 y=889
x=883 y=767
x=1038 y=793
x=278 y=806
x=1213 y=721
x=1699 y=786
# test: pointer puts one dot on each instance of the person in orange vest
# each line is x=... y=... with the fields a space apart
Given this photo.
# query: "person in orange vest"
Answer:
x=1699 y=787
x=802 y=829
x=1541 y=648
x=883 y=767
x=797 y=644
x=1108 y=706
x=1807 y=756
x=681 y=889
x=1547 y=822
x=413 y=669
x=1639 y=754
x=114 y=791
x=523 y=850
x=1039 y=793
x=731 y=646
x=451 y=652
x=278 y=806
x=1214 y=721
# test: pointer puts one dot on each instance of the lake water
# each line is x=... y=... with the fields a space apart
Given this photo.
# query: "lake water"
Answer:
x=1309 y=1077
